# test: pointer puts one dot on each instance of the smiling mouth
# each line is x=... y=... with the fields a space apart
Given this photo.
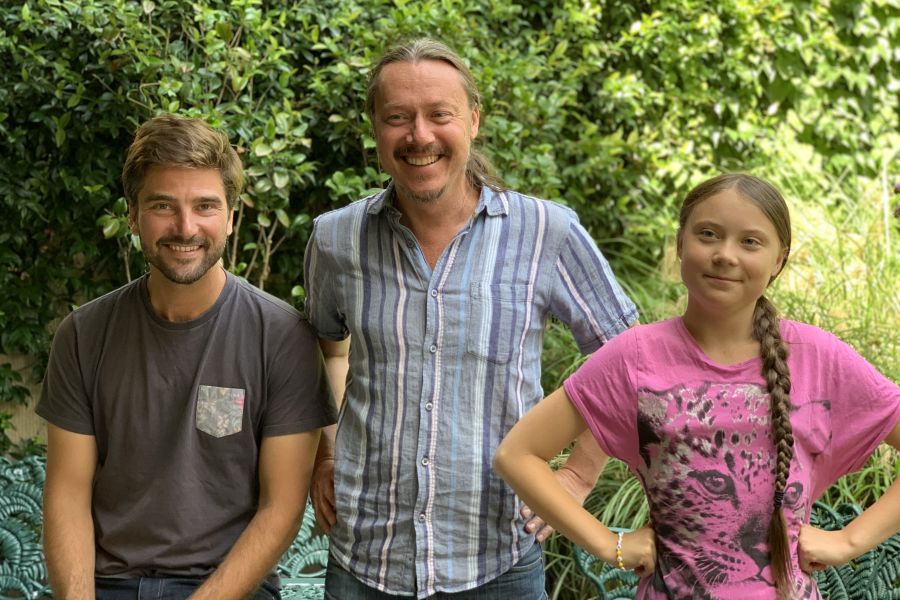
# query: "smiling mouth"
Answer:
x=422 y=161
x=184 y=248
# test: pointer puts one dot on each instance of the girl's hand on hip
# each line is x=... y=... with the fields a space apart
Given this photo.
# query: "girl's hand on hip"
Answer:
x=819 y=549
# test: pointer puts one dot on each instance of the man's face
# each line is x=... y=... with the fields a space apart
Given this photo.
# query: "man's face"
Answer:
x=183 y=220
x=424 y=128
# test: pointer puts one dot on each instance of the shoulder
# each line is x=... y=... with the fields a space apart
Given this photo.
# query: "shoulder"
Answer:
x=268 y=315
x=100 y=308
x=804 y=335
x=660 y=333
x=351 y=213
x=519 y=205
x=269 y=305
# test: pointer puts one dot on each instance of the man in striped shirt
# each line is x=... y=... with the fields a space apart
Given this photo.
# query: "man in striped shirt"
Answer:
x=444 y=283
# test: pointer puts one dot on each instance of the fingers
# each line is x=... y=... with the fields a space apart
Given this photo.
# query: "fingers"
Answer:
x=325 y=511
x=322 y=496
x=534 y=524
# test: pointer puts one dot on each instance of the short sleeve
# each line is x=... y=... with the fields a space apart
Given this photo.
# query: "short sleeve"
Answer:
x=586 y=295
x=299 y=397
x=603 y=390
x=865 y=408
x=65 y=401
x=321 y=301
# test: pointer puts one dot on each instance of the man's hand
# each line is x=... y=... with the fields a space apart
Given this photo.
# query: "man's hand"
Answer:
x=819 y=549
x=573 y=484
x=322 y=493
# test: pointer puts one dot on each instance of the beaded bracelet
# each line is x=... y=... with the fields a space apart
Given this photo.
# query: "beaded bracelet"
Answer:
x=619 y=562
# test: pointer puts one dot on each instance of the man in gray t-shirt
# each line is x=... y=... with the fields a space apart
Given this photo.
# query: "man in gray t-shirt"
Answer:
x=184 y=408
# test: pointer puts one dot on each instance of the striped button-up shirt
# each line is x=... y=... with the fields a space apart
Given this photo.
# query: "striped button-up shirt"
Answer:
x=443 y=362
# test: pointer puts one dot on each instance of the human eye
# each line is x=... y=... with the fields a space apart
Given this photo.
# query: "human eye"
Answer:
x=160 y=206
x=706 y=234
x=441 y=116
x=395 y=119
x=752 y=242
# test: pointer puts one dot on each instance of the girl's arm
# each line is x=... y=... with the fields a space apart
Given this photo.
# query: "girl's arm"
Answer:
x=819 y=549
x=522 y=459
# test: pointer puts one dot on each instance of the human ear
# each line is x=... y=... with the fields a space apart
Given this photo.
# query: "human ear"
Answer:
x=132 y=220
x=679 y=242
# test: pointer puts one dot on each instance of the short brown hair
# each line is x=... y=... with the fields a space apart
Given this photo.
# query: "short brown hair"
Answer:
x=173 y=141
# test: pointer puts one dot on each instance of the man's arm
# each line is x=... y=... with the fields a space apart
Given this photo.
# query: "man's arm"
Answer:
x=285 y=465
x=68 y=526
x=337 y=363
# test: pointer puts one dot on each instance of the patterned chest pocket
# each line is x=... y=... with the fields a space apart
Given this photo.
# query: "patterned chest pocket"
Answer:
x=220 y=410
x=497 y=320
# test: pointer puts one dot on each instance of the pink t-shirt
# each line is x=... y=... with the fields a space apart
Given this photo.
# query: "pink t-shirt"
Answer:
x=698 y=436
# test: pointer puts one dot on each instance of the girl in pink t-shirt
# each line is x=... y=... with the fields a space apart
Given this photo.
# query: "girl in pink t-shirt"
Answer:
x=733 y=420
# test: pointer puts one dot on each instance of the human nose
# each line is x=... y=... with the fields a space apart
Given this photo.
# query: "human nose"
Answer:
x=420 y=132
x=725 y=253
x=185 y=224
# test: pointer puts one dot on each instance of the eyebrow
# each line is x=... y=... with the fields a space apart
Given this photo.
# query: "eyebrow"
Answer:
x=160 y=196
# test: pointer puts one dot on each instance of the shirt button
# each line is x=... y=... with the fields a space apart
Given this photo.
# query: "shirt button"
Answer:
x=421 y=517
x=410 y=243
x=429 y=406
x=434 y=293
x=425 y=461
x=433 y=349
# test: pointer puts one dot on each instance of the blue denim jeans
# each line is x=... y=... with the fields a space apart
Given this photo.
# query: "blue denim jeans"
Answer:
x=164 y=588
x=524 y=581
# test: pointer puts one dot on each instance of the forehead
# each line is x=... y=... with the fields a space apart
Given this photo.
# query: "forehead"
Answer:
x=731 y=209
x=181 y=182
x=420 y=82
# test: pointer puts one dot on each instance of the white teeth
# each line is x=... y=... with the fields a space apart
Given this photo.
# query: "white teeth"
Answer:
x=184 y=248
x=422 y=161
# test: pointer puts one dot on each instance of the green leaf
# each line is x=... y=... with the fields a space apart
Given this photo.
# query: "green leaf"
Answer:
x=111 y=229
x=282 y=217
x=263 y=220
x=281 y=179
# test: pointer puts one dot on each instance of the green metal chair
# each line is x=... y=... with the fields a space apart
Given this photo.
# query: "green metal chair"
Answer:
x=873 y=576
x=23 y=573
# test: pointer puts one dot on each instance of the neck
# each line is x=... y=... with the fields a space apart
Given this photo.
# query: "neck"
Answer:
x=436 y=223
x=184 y=302
x=724 y=337
x=449 y=209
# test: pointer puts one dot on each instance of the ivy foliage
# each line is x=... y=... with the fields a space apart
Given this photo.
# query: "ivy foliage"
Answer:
x=610 y=107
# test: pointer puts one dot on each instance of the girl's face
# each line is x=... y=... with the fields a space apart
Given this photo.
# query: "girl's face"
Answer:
x=729 y=253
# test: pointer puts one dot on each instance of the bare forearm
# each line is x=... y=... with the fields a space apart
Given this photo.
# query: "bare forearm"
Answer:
x=879 y=522
x=532 y=479
x=69 y=549
x=253 y=556
x=586 y=460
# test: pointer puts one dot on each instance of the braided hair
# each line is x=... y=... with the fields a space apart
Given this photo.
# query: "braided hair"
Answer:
x=773 y=351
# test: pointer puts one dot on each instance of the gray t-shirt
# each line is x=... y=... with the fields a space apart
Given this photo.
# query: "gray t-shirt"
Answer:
x=179 y=411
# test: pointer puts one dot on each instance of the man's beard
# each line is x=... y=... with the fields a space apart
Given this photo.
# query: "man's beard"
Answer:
x=211 y=256
x=424 y=198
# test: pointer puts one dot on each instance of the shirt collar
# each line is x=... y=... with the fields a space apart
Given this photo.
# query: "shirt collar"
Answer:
x=490 y=201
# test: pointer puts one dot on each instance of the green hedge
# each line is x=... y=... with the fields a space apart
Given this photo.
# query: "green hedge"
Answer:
x=611 y=107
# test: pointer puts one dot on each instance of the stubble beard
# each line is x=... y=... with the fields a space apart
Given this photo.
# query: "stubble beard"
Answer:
x=211 y=256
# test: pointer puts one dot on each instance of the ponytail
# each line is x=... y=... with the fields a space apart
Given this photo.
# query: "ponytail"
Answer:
x=778 y=381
